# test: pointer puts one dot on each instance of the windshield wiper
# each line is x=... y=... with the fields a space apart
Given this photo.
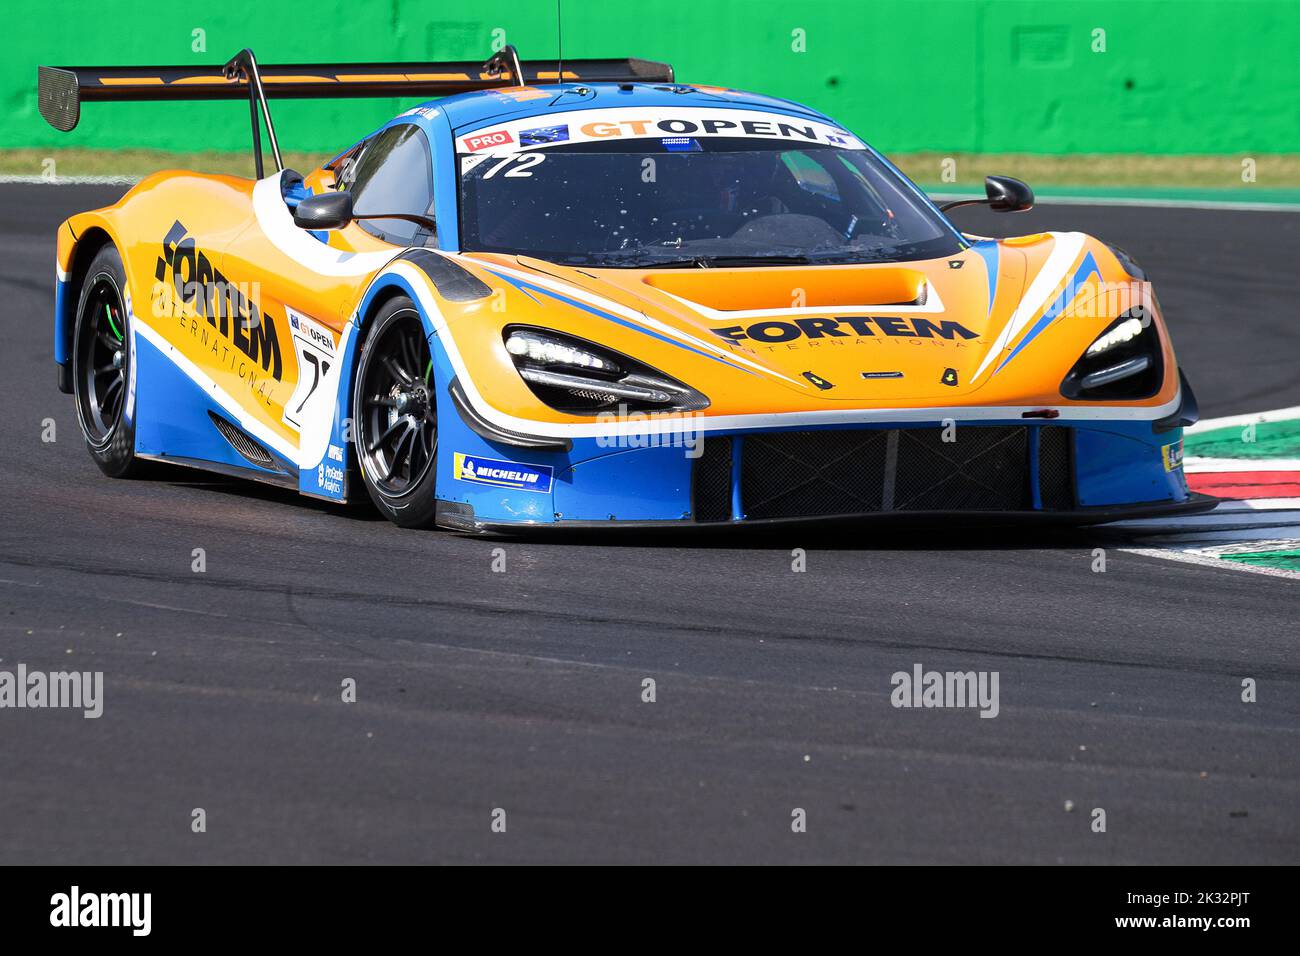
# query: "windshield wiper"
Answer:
x=896 y=253
x=729 y=262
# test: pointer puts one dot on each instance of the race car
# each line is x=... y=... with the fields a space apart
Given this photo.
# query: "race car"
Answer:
x=585 y=294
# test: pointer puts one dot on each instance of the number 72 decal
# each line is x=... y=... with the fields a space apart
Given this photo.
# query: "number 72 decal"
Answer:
x=516 y=165
x=313 y=348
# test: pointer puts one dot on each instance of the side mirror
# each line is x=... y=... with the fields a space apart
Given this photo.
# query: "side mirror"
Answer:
x=326 y=211
x=1003 y=193
x=1008 y=195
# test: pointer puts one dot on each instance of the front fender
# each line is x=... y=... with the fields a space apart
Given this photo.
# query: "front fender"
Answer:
x=77 y=240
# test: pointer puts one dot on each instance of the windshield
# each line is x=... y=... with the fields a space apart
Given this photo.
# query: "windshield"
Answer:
x=684 y=201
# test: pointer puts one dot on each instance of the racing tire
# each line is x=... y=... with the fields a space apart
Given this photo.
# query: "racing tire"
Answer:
x=394 y=410
x=102 y=356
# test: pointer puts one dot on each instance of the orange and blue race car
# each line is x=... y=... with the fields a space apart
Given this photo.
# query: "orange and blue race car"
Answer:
x=583 y=294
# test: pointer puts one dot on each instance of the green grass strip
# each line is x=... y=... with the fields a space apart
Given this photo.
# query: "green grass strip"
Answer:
x=1271 y=440
x=1288 y=560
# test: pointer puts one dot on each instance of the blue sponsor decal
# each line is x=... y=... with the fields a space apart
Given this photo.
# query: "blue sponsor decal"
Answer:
x=544 y=135
x=329 y=478
x=503 y=474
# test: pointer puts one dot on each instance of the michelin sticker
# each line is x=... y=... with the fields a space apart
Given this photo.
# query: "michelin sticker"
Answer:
x=503 y=474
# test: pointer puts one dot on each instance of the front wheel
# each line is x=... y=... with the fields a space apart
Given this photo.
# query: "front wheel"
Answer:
x=101 y=366
x=395 y=416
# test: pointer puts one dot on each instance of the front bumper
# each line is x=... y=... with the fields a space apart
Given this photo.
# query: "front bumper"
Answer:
x=1012 y=471
x=454 y=517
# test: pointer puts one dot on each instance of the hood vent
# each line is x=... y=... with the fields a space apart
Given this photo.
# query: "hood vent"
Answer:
x=785 y=287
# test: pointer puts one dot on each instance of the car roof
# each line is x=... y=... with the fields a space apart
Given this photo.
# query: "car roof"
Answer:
x=467 y=111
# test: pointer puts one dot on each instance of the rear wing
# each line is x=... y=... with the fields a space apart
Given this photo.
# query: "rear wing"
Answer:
x=62 y=89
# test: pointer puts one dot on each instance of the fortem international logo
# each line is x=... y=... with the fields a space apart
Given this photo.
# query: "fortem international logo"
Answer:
x=503 y=474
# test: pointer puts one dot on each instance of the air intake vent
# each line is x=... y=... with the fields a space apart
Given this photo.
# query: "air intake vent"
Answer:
x=712 y=492
x=824 y=473
x=1056 y=468
x=813 y=474
x=250 y=449
x=986 y=468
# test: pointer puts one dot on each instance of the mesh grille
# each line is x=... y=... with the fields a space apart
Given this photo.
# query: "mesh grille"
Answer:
x=712 y=493
x=985 y=468
x=799 y=474
x=811 y=474
x=242 y=443
x=1056 y=468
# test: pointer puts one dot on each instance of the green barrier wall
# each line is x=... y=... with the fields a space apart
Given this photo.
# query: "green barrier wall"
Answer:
x=1096 y=76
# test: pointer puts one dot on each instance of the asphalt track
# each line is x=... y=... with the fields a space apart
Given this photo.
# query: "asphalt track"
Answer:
x=522 y=690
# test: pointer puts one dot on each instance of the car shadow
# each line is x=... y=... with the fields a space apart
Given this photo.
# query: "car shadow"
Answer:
x=874 y=534
x=878 y=533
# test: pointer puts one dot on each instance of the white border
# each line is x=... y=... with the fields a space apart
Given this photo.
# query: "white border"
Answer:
x=1252 y=418
x=1201 y=466
x=277 y=225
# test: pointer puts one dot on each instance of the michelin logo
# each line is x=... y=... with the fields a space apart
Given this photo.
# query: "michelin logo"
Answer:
x=503 y=474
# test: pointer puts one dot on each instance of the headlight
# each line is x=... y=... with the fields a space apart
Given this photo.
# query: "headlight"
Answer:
x=581 y=378
x=1122 y=363
x=544 y=350
x=1126 y=331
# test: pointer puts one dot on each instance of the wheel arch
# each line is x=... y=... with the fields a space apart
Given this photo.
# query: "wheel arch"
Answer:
x=376 y=297
x=68 y=293
x=380 y=296
x=382 y=291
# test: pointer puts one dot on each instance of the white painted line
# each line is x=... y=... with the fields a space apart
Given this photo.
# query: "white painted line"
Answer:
x=1213 y=465
x=1259 y=504
x=1206 y=562
x=1253 y=418
x=70 y=180
x=1215 y=521
x=1193 y=538
x=1247 y=547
